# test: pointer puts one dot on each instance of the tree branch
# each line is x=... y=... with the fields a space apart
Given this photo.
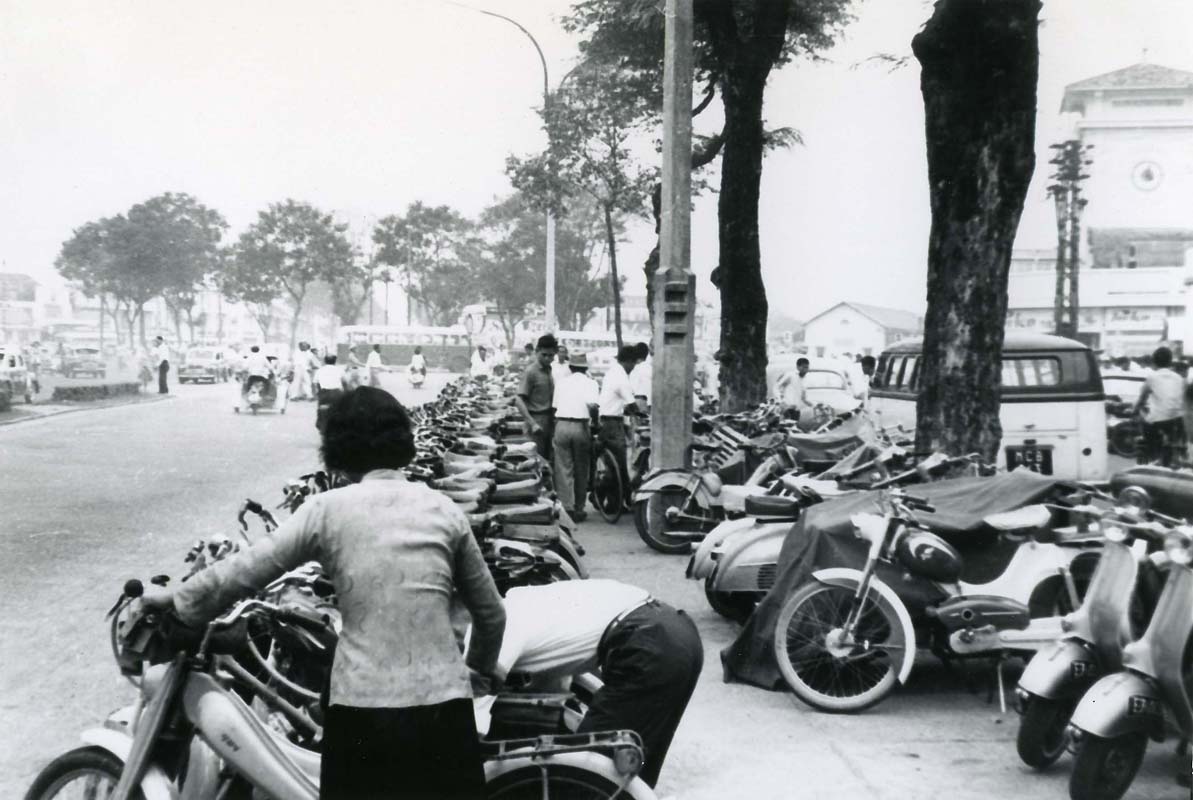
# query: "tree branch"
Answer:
x=710 y=92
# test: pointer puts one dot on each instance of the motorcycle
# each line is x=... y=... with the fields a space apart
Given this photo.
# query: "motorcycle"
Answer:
x=1094 y=634
x=1149 y=698
x=845 y=639
x=257 y=393
x=189 y=734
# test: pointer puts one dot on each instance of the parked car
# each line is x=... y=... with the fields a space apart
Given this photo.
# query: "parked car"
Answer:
x=15 y=378
x=204 y=364
x=81 y=361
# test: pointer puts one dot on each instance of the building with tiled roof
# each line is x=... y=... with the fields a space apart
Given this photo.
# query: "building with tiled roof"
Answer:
x=854 y=329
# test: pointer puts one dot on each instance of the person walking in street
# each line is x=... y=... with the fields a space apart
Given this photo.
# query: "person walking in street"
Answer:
x=375 y=366
x=161 y=357
x=302 y=378
x=617 y=399
x=559 y=367
x=535 y=394
x=576 y=398
x=417 y=370
x=481 y=365
x=860 y=377
x=400 y=721
x=649 y=653
x=356 y=370
x=1161 y=404
x=329 y=385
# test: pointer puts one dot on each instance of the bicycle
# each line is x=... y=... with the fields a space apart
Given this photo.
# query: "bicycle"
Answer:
x=607 y=484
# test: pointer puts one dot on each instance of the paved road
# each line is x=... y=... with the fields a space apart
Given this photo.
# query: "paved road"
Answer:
x=92 y=498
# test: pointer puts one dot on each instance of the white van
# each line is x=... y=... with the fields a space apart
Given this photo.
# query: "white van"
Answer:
x=1053 y=410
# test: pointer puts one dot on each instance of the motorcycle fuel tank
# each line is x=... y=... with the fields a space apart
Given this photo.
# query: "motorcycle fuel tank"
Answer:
x=927 y=554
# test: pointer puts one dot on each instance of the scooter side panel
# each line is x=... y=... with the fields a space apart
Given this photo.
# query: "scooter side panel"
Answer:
x=1065 y=670
x=635 y=789
x=747 y=554
x=154 y=783
x=674 y=479
x=702 y=563
x=1119 y=704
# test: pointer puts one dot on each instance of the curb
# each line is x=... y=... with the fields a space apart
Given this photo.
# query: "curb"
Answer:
x=74 y=410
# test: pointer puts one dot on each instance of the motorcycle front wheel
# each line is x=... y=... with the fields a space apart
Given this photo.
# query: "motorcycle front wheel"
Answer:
x=1103 y=769
x=1042 y=733
x=823 y=671
x=83 y=772
x=607 y=493
x=560 y=782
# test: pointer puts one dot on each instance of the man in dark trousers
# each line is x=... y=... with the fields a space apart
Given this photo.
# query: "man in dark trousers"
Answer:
x=536 y=393
x=649 y=655
x=161 y=354
x=617 y=399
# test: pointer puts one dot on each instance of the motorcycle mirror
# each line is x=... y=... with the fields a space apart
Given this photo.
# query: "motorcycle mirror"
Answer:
x=133 y=588
x=160 y=580
x=1135 y=496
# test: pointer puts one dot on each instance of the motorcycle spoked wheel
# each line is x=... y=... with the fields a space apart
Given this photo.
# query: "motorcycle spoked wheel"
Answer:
x=1103 y=769
x=607 y=492
x=650 y=519
x=562 y=782
x=1124 y=440
x=1043 y=727
x=96 y=768
x=836 y=682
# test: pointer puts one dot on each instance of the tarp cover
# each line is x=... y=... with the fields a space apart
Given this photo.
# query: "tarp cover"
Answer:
x=835 y=444
x=824 y=537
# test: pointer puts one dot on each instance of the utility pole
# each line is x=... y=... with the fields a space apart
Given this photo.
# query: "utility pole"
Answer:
x=675 y=286
x=1070 y=159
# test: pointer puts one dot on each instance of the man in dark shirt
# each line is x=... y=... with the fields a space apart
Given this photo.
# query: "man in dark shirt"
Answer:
x=536 y=393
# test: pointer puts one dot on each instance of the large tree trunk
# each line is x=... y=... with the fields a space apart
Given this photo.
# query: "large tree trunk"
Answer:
x=614 y=279
x=980 y=63
x=742 y=353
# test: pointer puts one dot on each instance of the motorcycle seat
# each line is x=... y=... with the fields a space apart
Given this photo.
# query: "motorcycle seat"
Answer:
x=772 y=507
x=824 y=488
x=1021 y=519
x=734 y=498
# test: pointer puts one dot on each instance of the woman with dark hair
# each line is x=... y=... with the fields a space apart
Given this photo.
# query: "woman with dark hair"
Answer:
x=400 y=722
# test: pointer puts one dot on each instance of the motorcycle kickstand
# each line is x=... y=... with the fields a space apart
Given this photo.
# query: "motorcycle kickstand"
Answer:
x=999 y=685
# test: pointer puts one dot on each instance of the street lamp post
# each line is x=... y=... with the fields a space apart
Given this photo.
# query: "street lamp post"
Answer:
x=550 y=289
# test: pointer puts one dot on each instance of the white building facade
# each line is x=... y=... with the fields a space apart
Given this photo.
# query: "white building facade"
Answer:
x=855 y=329
x=1137 y=229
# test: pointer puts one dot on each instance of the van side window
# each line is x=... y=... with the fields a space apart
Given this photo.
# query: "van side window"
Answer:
x=908 y=375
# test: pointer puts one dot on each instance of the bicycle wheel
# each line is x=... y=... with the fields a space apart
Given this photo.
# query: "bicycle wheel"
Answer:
x=665 y=535
x=606 y=487
x=553 y=782
x=821 y=667
x=83 y=772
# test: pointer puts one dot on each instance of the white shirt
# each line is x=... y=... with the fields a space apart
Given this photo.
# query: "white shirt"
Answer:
x=616 y=392
x=557 y=628
x=330 y=376
x=161 y=354
x=573 y=395
x=791 y=389
x=641 y=378
x=417 y=361
x=559 y=371
x=257 y=364
x=374 y=360
x=481 y=367
x=1167 y=398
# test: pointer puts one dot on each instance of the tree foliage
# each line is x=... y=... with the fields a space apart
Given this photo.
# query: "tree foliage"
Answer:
x=737 y=43
x=434 y=250
x=281 y=255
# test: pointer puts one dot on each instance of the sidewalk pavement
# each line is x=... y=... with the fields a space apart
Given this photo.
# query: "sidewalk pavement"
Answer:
x=21 y=412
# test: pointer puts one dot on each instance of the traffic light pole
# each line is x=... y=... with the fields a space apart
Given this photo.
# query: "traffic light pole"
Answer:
x=674 y=284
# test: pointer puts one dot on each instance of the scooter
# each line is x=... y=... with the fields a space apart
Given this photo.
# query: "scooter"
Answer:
x=189 y=735
x=1094 y=634
x=417 y=376
x=845 y=639
x=1149 y=698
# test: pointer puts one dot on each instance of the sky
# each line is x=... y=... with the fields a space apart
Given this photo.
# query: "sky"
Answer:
x=365 y=106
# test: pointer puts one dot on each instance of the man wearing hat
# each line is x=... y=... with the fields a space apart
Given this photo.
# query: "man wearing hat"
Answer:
x=536 y=394
x=575 y=405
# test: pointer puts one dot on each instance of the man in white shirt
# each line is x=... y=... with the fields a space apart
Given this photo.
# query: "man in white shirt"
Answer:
x=615 y=401
x=559 y=367
x=482 y=366
x=790 y=388
x=649 y=655
x=859 y=378
x=1163 y=395
x=375 y=366
x=302 y=378
x=330 y=382
x=642 y=375
x=161 y=357
x=575 y=402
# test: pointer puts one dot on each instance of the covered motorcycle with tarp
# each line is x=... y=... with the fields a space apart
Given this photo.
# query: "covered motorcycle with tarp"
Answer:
x=822 y=541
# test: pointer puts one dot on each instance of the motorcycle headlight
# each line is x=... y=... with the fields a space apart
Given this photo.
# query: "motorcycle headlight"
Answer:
x=627 y=760
x=1114 y=533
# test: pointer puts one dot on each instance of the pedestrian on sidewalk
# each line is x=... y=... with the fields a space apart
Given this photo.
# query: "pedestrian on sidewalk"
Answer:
x=576 y=399
x=615 y=401
x=536 y=393
x=649 y=654
x=161 y=357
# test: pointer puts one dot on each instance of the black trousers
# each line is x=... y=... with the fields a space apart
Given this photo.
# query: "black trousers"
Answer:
x=612 y=436
x=163 y=369
x=418 y=753
x=1160 y=439
x=543 y=440
x=650 y=663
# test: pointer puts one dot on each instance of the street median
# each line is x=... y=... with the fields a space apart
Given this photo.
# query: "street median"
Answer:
x=94 y=391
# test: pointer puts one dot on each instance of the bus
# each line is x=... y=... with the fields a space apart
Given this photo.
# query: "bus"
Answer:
x=444 y=348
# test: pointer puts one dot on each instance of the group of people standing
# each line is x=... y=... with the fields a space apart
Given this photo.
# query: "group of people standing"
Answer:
x=563 y=408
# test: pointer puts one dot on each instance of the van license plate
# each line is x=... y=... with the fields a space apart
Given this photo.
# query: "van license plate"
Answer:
x=1037 y=459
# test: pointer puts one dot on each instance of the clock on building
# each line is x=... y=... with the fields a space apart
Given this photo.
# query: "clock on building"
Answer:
x=1146 y=175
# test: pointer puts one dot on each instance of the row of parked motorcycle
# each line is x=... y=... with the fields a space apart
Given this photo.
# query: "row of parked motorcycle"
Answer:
x=237 y=712
x=1093 y=591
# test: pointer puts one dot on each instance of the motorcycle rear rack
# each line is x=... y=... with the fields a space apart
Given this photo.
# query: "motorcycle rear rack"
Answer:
x=553 y=745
